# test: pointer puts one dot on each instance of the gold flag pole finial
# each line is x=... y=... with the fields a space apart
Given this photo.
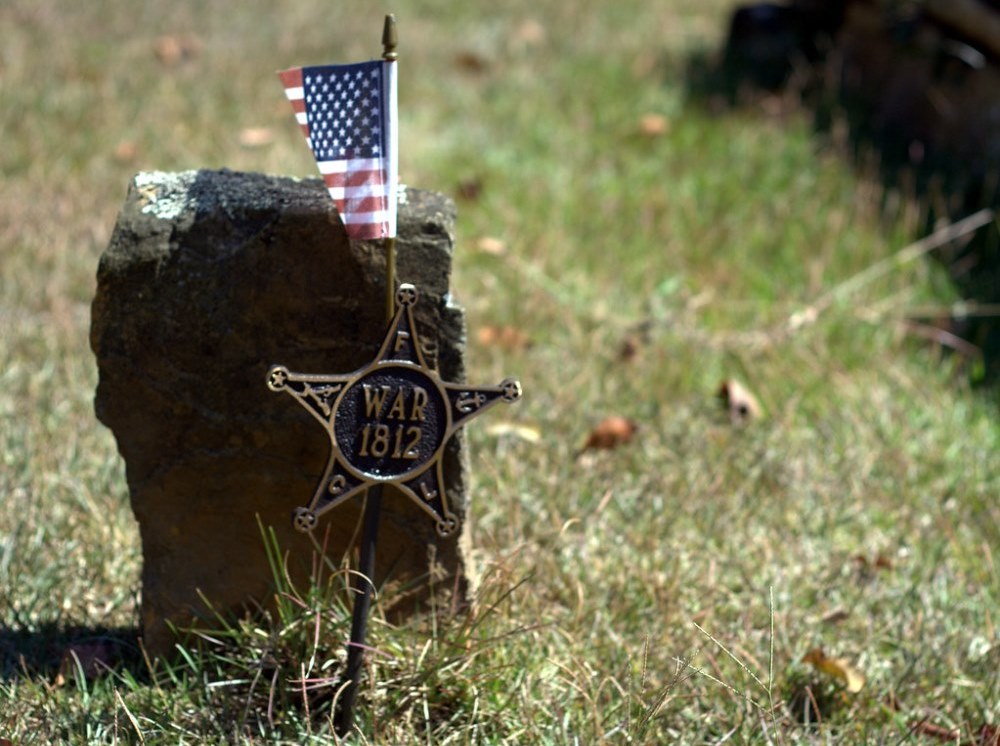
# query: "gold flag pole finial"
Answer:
x=389 y=37
x=389 y=41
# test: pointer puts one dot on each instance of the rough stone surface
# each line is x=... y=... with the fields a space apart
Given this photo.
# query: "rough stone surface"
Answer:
x=210 y=278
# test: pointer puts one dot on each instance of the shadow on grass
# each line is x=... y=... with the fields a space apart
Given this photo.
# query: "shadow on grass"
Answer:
x=53 y=648
x=912 y=103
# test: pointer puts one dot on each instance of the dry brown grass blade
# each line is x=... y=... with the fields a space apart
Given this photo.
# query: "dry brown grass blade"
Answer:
x=935 y=240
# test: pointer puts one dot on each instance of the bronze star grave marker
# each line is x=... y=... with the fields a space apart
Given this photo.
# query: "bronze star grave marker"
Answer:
x=388 y=422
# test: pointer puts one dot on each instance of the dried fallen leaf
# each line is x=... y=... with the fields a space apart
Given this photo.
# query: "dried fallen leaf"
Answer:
x=530 y=32
x=926 y=728
x=989 y=735
x=883 y=562
x=126 y=151
x=741 y=404
x=470 y=189
x=880 y=562
x=654 y=125
x=527 y=433
x=506 y=337
x=836 y=616
x=491 y=245
x=471 y=62
x=172 y=50
x=838 y=668
x=256 y=137
x=610 y=432
x=629 y=349
x=636 y=339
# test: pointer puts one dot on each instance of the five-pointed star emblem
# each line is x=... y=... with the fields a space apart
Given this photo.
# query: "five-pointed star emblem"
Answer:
x=389 y=421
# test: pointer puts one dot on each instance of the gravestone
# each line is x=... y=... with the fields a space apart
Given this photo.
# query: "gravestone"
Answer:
x=209 y=278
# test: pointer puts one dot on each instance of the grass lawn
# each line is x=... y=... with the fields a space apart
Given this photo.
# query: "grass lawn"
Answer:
x=645 y=248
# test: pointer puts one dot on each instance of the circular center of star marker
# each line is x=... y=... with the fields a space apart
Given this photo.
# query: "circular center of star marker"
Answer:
x=390 y=422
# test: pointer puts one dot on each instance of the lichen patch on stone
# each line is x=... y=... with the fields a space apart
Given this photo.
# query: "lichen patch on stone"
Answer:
x=165 y=195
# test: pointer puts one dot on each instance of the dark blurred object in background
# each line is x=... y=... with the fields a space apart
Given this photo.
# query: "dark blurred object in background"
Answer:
x=918 y=84
x=767 y=40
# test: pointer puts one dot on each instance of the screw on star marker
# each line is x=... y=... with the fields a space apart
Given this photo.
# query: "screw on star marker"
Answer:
x=277 y=377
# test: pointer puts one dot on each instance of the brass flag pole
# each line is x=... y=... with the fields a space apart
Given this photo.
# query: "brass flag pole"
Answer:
x=373 y=497
x=389 y=54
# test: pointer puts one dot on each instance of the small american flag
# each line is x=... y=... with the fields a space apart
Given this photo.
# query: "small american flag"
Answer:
x=348 y=115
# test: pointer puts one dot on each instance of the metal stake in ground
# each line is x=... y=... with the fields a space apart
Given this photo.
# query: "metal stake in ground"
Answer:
x=362 y=605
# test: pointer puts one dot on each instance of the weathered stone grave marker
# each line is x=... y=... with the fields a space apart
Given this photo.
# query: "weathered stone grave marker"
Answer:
x=209 y=278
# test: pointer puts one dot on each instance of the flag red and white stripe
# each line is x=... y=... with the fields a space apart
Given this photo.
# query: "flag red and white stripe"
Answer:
x=348 y=116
